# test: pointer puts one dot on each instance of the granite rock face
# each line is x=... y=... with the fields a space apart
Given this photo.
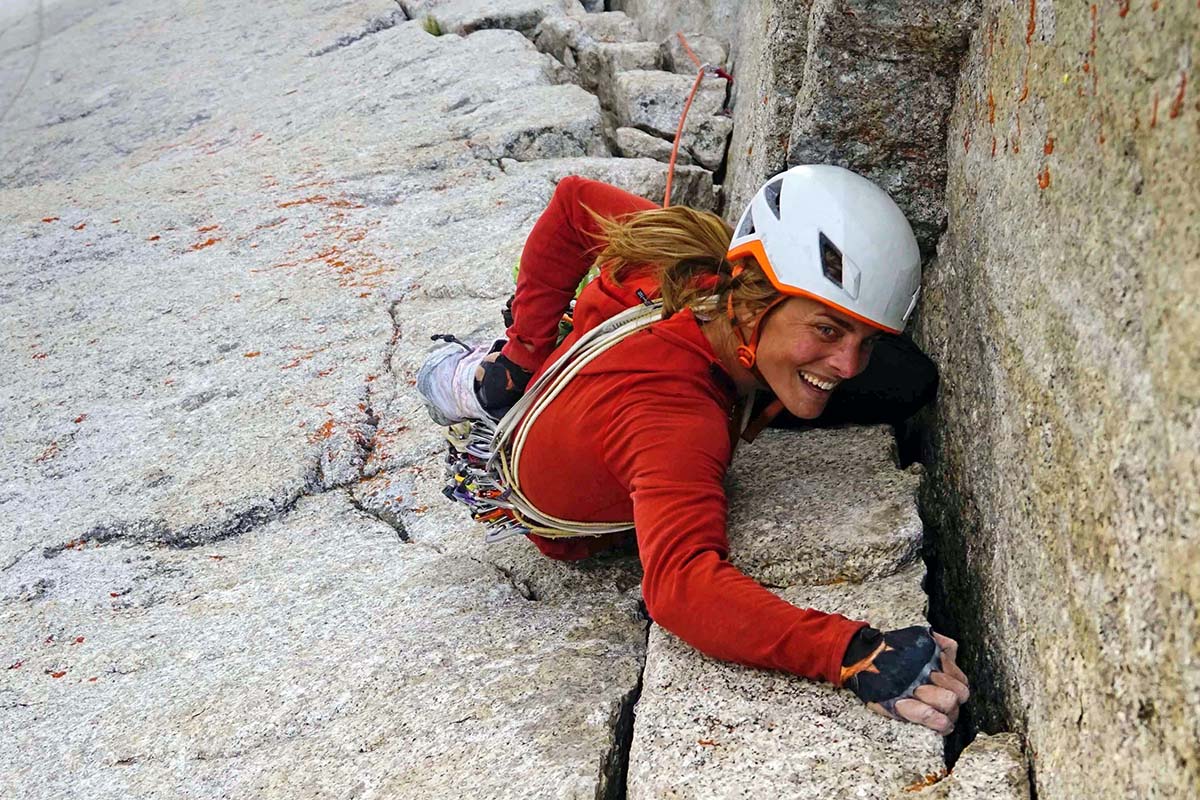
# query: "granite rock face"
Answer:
x=990 y=768
x=710 y=729
x=208 y=298
x=634 y=143
x=1064 y=489
x=855 y=83
x=659 y=19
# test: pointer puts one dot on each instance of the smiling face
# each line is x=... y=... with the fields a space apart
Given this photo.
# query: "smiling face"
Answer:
x=807 y=349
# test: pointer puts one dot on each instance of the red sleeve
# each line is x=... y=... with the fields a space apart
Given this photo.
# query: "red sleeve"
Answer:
x=558 y=253
x=672 y=449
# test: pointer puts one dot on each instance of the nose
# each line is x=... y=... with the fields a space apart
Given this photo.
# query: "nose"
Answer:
x=850 y=358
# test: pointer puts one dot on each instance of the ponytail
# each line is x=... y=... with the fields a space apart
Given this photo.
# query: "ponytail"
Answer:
x=684 y=251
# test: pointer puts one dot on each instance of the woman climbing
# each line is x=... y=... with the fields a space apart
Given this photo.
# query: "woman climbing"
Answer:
x=821 y=268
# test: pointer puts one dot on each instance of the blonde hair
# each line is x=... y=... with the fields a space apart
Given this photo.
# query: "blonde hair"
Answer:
x=678 y=246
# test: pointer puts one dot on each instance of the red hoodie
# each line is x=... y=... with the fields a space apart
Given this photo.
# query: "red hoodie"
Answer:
x=642 y=433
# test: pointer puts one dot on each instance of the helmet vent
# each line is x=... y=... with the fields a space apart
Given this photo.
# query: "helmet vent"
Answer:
x=747 y=226
x=831 y=261
x=771 y=195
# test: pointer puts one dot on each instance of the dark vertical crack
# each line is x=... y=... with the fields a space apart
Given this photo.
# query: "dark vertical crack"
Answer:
x=614 y=771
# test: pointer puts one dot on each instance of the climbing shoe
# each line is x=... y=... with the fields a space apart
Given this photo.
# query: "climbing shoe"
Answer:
x=446 y=382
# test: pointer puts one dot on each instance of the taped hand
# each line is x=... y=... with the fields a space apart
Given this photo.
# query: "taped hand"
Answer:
x=907 y=674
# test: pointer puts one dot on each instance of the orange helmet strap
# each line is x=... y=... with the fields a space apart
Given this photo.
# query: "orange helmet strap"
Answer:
x=747 y=352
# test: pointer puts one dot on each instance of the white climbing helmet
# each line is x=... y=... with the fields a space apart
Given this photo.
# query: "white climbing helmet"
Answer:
x=830 y=234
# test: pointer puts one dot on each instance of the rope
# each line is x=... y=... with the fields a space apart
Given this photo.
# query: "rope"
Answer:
x=704 y=70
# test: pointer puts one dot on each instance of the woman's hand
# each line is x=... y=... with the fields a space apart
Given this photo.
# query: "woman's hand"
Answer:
x=908 y=674
x=934 y=704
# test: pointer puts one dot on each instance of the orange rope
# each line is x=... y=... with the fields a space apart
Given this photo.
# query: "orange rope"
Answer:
x=679 y=135
x=703 y=70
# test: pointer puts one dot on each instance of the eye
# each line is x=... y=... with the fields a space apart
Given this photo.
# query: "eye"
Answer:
x=827 y=331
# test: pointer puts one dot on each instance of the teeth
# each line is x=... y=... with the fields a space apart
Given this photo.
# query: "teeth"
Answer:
x=823 y=385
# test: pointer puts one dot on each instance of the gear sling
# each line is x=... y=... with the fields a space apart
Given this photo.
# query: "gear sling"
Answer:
x=481 y=467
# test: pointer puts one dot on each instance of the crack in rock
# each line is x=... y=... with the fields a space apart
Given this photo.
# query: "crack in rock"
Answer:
x=614 y=770
x=373 y=26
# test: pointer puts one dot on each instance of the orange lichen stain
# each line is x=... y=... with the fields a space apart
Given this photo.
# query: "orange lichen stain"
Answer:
x=1123 y=8
x=1031 y=25
x=217 y=558
x=79 y=227
x=209 y=242
x=928 y=780
x=1048 y=148
x=207 y=228
x=323 y=432
x=92 y=680
x=993 y=147
x=38 y=356
x=316 y=198
x=707 y=743
x=80 y=418
x=256 y=137
x=368 y=294
x=153 y=238
x=50 y=452
x=169 y=382
x=252 y=354
x=49 y=219
x=115 y=221
x=1043 y=178
x=58 y=674
x=114 y=594
x=1177 y=104
x=77 y=640
x=324 y=372
x=16 y=664
x=1154 y=111
x=1154 y=5
x=991 y=109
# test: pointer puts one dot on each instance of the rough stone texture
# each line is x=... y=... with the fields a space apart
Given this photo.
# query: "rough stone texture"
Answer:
x=709 y=49
x=653 y=101
x=710 y=729
x=634 y=143
x=1064 y=484
x=468 y=16
x=717 y=730
x=845 y=484
x=211 y=268
x=659 y=19
x=867 y=86
x=769 y=58
x=991 y=768
x=317 y=655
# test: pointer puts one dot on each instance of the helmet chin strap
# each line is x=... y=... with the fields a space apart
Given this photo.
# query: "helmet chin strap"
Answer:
x=747 y=356
x=747 y=351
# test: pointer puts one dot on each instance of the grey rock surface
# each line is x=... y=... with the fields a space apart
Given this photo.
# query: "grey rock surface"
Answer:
x=857 y=511
x=710 y=729
x=468 y=16
x=653 y=101
x=210 y=273
x=1064 y=483
x=315 y=655
x=769 y=51
x=634 y=143
x=828 y=520
x=990 y=768
x=709 y=49
x=659 y=19
x=896 y=137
